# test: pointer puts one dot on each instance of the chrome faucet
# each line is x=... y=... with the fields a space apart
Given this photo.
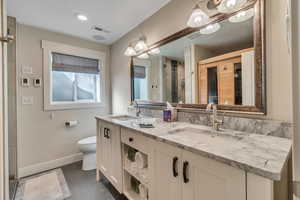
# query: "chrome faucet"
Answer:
x=215 y=121
x=138 y=109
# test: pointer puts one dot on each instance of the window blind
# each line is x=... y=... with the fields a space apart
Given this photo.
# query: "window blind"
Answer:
x=139 y=72
x=69 y=63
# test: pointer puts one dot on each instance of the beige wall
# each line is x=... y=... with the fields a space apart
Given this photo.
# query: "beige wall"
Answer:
x=40 y=138
x=169 y=20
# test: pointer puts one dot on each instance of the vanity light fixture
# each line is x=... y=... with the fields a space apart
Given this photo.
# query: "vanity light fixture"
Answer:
x=242 y=16
x=130 y=51
x=229 y=6
x=212 y=28
x=154 y=51
x=198 y=18
x=81 y=17
x=141 y=46
x=143 y=56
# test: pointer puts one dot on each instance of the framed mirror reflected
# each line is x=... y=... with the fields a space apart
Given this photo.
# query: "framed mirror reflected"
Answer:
x=221 y=62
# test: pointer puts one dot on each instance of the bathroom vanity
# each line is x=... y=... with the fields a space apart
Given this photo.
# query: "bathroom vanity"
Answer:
x=187 y=161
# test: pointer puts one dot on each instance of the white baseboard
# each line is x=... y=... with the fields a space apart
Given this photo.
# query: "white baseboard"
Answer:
x=40 y=167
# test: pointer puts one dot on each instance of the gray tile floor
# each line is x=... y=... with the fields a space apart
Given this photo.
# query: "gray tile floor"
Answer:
x=83 y=185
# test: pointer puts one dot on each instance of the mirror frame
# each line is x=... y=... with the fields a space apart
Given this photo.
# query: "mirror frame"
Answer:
x=260 y=68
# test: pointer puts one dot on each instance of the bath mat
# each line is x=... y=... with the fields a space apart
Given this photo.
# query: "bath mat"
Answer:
x=50 y=185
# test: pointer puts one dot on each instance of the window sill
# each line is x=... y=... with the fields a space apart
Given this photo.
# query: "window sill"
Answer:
x=72 y=106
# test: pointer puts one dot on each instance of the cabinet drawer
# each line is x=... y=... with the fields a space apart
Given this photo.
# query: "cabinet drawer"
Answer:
x=135 y=140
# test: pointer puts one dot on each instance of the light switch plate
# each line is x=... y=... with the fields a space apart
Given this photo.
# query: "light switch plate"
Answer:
x=26 y=70
x=27 y=100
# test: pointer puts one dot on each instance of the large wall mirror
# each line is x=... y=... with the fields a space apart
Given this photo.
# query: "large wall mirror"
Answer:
x=221 y=63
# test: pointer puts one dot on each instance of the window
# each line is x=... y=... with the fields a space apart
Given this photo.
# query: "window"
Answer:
x=73 y=77
x=140 y=83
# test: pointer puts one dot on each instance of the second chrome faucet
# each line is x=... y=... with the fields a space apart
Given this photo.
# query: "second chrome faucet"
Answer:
x=215 y=121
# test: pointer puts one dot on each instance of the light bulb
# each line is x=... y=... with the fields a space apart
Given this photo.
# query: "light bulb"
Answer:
x=212 y=28
x=231 y=3
x=130 y=51
x=230 y=6
x=141 y=46
x=154 y=51
x=82 y=17
x=198 y=18
x=242 y=16
x=143 y=56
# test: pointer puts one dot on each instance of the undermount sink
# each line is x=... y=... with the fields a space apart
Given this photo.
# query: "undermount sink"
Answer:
x=124 y=117
x=190 y=130
x=207 y=133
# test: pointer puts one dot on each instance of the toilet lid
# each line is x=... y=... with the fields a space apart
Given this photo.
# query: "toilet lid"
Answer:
x=89 y=140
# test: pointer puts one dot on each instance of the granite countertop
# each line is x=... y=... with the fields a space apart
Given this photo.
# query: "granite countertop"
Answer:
x=262 y=155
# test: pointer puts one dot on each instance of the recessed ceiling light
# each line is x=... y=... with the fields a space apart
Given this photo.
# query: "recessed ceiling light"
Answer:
x=81 y=17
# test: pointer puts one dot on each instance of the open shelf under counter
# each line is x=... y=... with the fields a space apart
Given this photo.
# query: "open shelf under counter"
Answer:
x=131 y=195
x=137 y=176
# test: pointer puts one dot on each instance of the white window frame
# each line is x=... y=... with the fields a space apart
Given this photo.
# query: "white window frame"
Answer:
x=50 y=47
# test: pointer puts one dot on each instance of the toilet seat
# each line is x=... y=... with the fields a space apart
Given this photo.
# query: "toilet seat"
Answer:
x=88 y=147
x=89 y=140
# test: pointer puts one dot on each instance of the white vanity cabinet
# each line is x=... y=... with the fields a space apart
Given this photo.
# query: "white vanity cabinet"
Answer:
x=182 y=175
x=109 y=160
x=171 y=172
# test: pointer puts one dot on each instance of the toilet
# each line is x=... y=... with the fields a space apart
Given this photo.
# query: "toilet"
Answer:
x=88 y=147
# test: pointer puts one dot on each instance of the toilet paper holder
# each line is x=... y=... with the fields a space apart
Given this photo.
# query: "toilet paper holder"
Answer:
x=71 y=123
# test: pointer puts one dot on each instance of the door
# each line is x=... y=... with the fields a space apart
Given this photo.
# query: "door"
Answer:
x=202 y=85
x=205 y=179
x=166 y=173
x=227 y=81
x=115 y=159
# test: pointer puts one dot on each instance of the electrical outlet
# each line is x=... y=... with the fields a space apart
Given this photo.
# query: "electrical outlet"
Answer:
x=25 y=82
x=37 y=82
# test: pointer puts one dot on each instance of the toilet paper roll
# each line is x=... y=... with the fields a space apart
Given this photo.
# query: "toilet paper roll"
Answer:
x=141 y=160
x=71 y=123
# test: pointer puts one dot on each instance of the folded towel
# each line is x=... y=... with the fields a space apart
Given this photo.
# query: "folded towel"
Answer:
x=143 y=192
x=141 y=160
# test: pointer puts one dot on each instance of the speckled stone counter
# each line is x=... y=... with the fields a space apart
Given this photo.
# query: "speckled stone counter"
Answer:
x=258 y=154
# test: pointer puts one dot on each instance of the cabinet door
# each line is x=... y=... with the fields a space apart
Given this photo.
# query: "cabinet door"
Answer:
x=166 y=182
x=208 y=179
x=116 y=160
x=104 y=149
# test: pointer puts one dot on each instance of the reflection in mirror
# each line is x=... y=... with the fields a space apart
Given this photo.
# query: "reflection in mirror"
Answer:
x=213 y=65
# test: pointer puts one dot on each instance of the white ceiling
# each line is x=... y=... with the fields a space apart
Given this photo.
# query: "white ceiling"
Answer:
x=117 y=16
